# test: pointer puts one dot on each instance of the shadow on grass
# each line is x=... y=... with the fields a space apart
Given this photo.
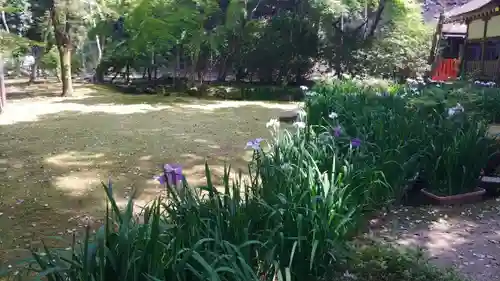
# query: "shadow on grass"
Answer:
x=22 y=89
x=213 y=91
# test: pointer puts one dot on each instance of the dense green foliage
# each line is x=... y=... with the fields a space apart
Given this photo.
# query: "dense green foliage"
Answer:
x=267 y=233
x=410 y=133
x=482 y=101
x=356 y=149
x=299 y=213
x=272 y=41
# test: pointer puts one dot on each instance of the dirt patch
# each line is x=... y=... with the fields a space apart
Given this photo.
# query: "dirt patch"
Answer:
x=56 y=151
x=466 y=237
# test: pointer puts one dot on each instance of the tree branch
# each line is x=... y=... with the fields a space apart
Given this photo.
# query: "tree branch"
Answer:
x=378 y=17
x=4 y=22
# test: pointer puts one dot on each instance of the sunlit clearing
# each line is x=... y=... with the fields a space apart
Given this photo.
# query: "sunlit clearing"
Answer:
x=27 y=112
x=236 y=104
x=440 y=238
x=78 y=183
x=192 y=157
x=76 y=158
x=146 y=158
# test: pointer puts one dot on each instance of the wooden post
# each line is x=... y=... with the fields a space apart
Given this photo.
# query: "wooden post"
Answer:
x=463 y=58
x=461 y=55
x=437 y=34
x=483 y=44
x=3 y=94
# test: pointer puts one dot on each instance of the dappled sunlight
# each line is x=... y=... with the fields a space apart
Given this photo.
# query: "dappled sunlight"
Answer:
x=441 y=237
x=58 y=150
x=200 y=141
x=11 y=164
x=76 y=158
x=195 y=174
x=30 y=112
x=192 y=157
x=248 y=155
x=77 y=184
x=467 y=237
x=207 y=143
x=139 y=204
x=146 y=158
x=236 y=104
x=35 y=109
x=150 y=189
x=494 y=130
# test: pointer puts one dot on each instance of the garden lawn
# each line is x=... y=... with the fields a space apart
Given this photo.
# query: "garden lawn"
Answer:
x=55 y=151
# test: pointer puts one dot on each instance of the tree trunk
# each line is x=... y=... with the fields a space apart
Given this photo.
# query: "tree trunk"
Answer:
x=67 y=83
x=99 y=49
x=222 y=69
x=62 y=35
x=34 y=72
x=37 y=54
x=114 y=77
x=3 y=94
x=240 y=74
x=127 y=74
x=34 y=69
x=435 y=41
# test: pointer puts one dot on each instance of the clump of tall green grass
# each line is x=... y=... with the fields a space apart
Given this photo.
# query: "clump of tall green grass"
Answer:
x=270 y=226
x=263 y=233
x=176 y=239
x=292 y=218
x=405 y=139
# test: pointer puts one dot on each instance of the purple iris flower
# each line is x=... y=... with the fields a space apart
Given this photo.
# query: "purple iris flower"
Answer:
x=254 y=144
x=161 y=178
x=110 y=186
x=317 y=199
x=337 y=131
x=172 y=174
x=355 y=142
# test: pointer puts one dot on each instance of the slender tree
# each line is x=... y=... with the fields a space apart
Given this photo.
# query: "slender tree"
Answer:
x=4 y=35
x=60 y=18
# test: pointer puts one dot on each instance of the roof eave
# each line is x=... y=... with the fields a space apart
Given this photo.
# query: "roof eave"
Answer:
x=463 y=13
x=455 y=19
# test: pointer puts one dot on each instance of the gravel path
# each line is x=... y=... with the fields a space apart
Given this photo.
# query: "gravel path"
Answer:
x=466 y=237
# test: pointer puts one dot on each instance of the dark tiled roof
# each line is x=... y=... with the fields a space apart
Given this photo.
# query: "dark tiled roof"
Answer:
x=432 y=8
x=466 y=8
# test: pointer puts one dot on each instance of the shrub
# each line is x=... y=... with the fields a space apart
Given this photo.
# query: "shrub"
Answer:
x=391 y=131
x=305 y=200
x=456 y=155
x=404 y=137
x=483 y=101
x=487 y=103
